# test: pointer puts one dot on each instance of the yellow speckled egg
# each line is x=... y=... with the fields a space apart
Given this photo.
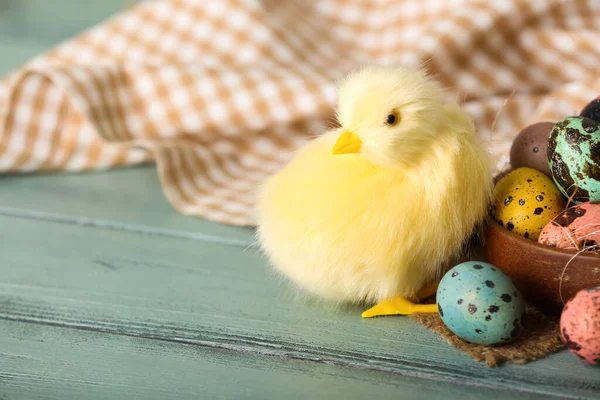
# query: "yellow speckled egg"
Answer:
x=525 y=200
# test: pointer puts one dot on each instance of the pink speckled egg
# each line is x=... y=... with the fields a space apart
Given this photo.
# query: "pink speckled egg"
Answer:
x=573 y=229
x=580 y=325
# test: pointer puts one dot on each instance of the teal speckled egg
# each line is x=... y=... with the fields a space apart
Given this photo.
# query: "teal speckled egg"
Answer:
x=574 y=158
x=480 y=304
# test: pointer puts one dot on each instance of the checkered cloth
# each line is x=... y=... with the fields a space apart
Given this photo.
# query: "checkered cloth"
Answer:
x=219 y=92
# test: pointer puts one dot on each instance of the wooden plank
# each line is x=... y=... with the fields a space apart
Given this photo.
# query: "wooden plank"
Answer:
x=41 y=362
x=98 y=253
x=28 y=27
x=124 y=199
x=215 y=295
x=15 y=52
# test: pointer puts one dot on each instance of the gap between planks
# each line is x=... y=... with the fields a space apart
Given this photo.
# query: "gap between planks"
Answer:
x=265 y=347
x=122 y=227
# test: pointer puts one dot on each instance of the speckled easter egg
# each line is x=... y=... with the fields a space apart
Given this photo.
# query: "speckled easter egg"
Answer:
x=574 y=158
x=592 y=110
x=525 y=200
x=530 y=147
x=580 y=325
x=480 y=304
x=576 y=228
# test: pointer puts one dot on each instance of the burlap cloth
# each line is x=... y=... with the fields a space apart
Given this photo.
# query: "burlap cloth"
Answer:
x=218 y=92
x=539 y=338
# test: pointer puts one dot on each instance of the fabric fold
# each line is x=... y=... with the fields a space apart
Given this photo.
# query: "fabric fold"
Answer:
x=219 y=94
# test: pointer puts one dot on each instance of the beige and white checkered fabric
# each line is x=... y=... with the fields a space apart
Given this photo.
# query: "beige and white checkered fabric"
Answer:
x=218 y=92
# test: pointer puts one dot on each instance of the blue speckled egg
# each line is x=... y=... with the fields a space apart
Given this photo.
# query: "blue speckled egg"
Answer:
x=574 y=158
x=480 y=304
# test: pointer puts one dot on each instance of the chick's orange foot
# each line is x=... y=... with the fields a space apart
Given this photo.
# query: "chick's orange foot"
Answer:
x=398 y=306
x=402 y=306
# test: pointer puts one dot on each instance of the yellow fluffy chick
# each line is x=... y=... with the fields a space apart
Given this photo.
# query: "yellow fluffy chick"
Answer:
x=375 y=210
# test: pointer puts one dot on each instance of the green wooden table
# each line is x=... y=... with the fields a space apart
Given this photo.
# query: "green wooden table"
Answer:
x=107 y=292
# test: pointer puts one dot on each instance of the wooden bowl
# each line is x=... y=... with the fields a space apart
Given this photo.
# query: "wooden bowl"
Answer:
x=537 y=270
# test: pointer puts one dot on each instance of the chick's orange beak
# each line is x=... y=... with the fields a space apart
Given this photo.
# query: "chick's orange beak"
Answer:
x=347 y=143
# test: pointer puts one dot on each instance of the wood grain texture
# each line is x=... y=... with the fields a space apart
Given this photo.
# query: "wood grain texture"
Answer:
x=109 y=199
x=220 y=296
x=40 y=362
x=107 y=292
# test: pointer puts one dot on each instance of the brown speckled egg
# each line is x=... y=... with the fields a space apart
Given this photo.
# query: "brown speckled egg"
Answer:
x=529 y=147
x=580 y=325
x=525 y=200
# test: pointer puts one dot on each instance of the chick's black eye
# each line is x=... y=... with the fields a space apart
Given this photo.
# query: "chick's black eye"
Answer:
x=392 y=119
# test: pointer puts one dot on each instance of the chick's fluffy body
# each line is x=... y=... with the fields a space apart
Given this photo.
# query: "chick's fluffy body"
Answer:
x=382 y=223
